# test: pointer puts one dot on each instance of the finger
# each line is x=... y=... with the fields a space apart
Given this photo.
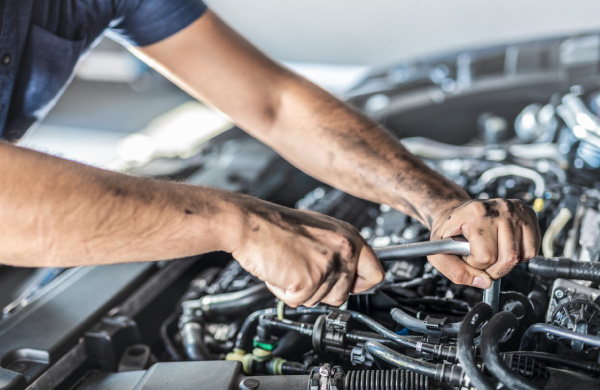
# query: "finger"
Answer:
x=321 y=292
x=291 y=298
x=460 y=272
x=483 y=241
x=509 y=250
x=369 y=270
x=340 y=291
x=530 y=242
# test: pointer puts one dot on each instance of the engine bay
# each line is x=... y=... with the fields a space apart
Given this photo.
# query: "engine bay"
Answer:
x=206 y=323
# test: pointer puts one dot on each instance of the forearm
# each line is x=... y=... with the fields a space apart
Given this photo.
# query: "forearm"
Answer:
x=308 y=126
x=340 y=146
x=56 y=212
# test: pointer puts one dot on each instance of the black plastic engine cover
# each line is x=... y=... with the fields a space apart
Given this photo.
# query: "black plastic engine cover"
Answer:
x=213 y=375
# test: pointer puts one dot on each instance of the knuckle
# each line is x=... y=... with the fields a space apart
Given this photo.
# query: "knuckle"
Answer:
x=479 y=207
x=295 y=287
x=520 y=204
x=336 y=301
x=512 y=258
x=292 y=303
x=487 y=259
x=347 y=248
x=529 y=254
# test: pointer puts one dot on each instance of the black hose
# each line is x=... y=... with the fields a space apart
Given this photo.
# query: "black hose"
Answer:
x=242 y=337
x=445 y=352
x=385 y=380
x=294 y=368
x=235 y=302
x=590 y=367
x=193 y=343
x=241 y=340
x=556 y=331
x=466 y=345
x=361 y=336
x=401 y=361
x=420 y=326
x=299 y=327
x=164 y=335
x=447 y=373
x=565 y=268
x=382 y=330
x=501 y=326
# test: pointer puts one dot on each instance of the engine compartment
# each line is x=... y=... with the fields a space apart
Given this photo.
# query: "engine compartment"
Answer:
x=207 y=323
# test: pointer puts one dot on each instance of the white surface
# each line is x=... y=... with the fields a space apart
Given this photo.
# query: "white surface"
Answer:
x=384 y=31
x=104 y=148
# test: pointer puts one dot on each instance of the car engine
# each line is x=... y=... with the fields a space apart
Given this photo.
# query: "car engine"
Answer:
x=520 y=121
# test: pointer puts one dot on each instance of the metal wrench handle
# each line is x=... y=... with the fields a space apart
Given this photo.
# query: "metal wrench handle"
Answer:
x=447 y=246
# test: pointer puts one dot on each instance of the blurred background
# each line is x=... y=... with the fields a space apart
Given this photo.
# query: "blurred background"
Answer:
x=116 y=108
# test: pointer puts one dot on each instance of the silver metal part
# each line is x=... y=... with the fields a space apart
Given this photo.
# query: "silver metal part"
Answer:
x=491 y=296
x=448 y=246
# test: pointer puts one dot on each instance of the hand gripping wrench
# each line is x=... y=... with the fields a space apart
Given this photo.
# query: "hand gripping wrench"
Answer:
x=448 y=246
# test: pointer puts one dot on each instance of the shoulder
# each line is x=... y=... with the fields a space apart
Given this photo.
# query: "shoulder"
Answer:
x=144 y=22
x=138 y=22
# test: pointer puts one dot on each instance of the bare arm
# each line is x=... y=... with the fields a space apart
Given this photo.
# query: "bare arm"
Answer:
x=331 y=141
x=60 y=213
x=56 y=212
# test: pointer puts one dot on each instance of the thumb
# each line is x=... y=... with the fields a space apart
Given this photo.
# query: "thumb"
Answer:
x=369 y=270
x=460 y=272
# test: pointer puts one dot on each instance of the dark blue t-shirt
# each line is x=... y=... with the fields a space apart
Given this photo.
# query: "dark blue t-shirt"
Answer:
x=42 y=40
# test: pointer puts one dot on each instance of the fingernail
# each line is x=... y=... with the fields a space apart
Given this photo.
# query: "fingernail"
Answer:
x=481 y=282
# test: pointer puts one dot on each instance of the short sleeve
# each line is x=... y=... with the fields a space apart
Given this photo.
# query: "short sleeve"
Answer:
x=144 y=22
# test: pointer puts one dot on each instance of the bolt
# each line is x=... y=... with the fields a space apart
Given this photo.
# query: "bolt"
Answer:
x=19 y=367
x=324 y=373
x=559 y=294
x=248 y=384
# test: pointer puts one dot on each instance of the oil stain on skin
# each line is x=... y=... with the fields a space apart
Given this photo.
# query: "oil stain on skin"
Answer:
x=490 y=211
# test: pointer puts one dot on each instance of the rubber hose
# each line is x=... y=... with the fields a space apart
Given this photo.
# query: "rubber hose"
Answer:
x=591 y=367
x=401 y=361
x=557 y=331
x=501 y=325
x=439 y=351
x=416 y=325
x=382 y=330
x=556 y=226
x=446 y=373
x=385 y=380
x=193 y=343
x=243 y=334
x=466 y=345
x=235 y=302
x=565 y=268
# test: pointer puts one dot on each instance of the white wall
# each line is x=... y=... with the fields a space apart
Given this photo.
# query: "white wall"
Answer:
x=382 y=31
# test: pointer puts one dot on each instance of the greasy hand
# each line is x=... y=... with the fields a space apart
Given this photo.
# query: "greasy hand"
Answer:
x=305 y=257
x=501 y=233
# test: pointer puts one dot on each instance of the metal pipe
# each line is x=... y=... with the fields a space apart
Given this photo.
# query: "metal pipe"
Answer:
x=491 y=296
x=556 y=331
x=515 y=170
x=447 y=246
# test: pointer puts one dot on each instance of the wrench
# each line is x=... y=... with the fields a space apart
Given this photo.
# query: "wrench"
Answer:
x=449 y=246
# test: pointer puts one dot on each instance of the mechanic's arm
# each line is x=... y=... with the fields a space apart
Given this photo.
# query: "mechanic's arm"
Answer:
x=60 y=213
x=333 y=142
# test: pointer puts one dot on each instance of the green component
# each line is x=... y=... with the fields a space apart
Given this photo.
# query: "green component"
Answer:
x=265 y=346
